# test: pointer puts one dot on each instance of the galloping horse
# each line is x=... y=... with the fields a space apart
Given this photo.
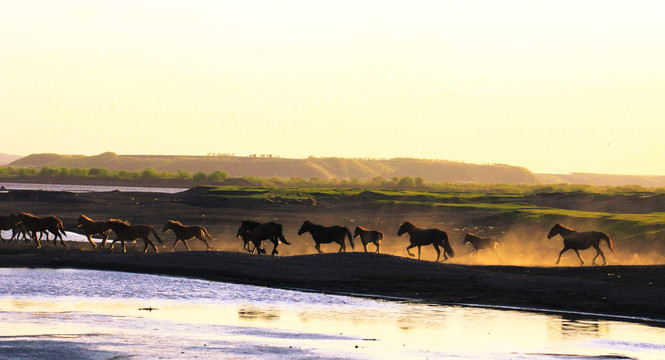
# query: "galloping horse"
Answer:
x=184 y=233
x=420 y=237
x=368 y=236
x=91 y=227
x=44 y=225
x=257 y=232
x=581 y=241
x=480 y=243
x=326 y=234
x=126 y=232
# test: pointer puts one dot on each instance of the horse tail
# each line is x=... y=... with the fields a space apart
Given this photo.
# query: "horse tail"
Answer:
x=280 y=235
x=608 y=240
x=152 y=230
x=61 y=228
x=446 y=244
x=348 y=233
x=205 y=232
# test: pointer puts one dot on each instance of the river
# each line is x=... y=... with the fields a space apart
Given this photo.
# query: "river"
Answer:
x=83 y=314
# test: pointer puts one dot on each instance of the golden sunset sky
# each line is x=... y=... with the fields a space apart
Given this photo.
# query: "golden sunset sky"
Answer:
x=554 y=86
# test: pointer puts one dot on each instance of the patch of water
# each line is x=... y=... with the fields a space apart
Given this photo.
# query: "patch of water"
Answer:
x=99 y=314
x=87 y=188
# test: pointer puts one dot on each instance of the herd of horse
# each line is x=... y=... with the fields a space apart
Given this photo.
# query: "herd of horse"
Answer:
x=253 y=233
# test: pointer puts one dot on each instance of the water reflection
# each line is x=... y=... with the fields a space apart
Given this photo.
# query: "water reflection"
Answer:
x=201 y=319
x=251 y=313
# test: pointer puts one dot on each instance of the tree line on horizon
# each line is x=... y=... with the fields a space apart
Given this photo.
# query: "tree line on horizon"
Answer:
x=221 y=178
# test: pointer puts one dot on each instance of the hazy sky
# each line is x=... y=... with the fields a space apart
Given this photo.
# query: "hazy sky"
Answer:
x=554 y=86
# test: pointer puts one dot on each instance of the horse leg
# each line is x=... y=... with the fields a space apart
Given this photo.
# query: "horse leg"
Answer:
x=419 y=253
x=187 y=246
x=599 y=252
x=208 y=247
x=579 y=256
x=377 y=246
x=342 y=247
x=318 y=248
x=175 y=243
x=94 y=246
x=61 y=240
x=438 y=253
x=106 y=237
x=275 y=242
x=147 y=241
x=365 y=246
x=411 y=247
x=497 y=255
x=565 y=248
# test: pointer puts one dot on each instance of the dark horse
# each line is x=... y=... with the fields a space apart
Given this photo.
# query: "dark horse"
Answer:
x=420 y=237
x=10 y=222
x=368 y=236
x=480 y=243
x=326 y=234
x=580 y=241
x=126 y=232
x=91 y=227
x=184 y=233
x=44 y=225
x=252 y=231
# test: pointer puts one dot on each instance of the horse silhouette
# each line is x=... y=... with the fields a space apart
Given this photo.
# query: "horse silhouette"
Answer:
x=480 y=243
x=43 y=225
x=126 y=232
x=368 y=236
x=255 y=232
x=184 y=233
x=326 y=234
x=91 y=227
x=581 y=241
x=420 y=237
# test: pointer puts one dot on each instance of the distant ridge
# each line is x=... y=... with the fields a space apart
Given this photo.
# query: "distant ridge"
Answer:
x=333 y=168
x=7 y=159
x=312 y=167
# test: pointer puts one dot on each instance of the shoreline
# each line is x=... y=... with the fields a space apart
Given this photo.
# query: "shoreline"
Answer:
x=589 y=293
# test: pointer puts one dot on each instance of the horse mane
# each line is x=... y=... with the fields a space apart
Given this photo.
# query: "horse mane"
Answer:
x=175 y=222
x=251 y=223
x=360 y=228
x=117 y=221
x=85 y=217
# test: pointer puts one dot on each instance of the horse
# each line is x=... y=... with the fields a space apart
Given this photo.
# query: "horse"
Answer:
x=91 y=227
x=127 y=232
x=326 y=234
x=10 y=222
x=420 y=237
x=368 y=236
x=184 y=233
x=580 y=241
x=44 y=225
x=480 y=243
x=252 y=231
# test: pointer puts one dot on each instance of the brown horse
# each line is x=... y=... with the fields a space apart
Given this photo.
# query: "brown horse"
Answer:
x=368 y=236
x=581 y=241
x=126 y=232
x=184 y=233
x=480 y=243
x=420 y=237
x=326 y=234
x=252 y=231
x=91 y=227
x=44 y=225
x=10 y=222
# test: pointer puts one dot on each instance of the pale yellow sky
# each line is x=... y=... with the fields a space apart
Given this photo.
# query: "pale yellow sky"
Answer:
x=554 y=86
